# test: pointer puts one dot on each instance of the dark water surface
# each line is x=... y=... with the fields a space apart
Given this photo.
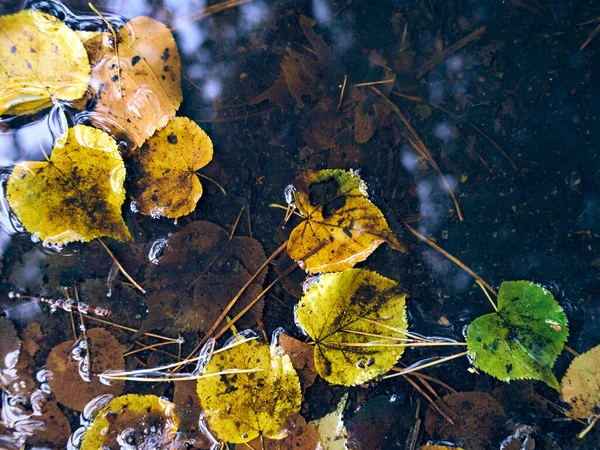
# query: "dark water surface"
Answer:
x=523 y=87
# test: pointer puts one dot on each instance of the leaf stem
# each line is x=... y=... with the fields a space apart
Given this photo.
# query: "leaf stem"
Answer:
x=487 y=295
x=221 y=188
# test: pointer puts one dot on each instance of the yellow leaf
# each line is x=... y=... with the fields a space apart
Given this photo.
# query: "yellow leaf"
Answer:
x=164 y=182
x=581 y=385
x=339 y=217
x=137 y=88
x=337 y=309
x=40 y=59
x=240 y=407
x=77 y=194
x=142 y=421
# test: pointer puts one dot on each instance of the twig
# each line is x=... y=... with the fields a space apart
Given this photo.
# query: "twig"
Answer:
x=343 y=90
x=123 y=271
x=133 y=330
x=590 y=38
x=407 y=344
x=424 y=366
x=237 y=296
x=487 y=295
x=185 y=377
x=571 y=351
x=204 y=13
x=476 y=34
x=237 y=221
x=428 y=398
x=417 y=143
x=450 y=257
x=371 y=83
x=588 y=428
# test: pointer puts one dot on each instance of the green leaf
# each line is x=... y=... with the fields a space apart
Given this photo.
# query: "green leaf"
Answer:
x=341 y=311
x=523 y=338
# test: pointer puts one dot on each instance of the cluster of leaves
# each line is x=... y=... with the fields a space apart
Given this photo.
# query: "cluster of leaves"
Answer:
x=131 y=82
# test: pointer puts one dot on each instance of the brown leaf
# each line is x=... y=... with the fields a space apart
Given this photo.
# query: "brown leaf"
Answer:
x=137 y=88
x=188 y=409
x=301 y=436
x=478 y=420
x=65 y=379
x=199 y=273
x=302 y=357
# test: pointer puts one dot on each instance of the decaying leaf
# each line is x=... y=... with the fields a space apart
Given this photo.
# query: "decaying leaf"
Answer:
x=331 y=429
x=42 y=60
x=301 y=436
x=336 y=308
x=133 y=421
x=240 y=407
x=72 y=380
x=340 y=218
x=199 y=273
x=478 y=420
x=187 y=408
x=381 y=423
x=164 y=182
x=438 y=447
x=302 y=356
x=523 y=338
x=581 y=385
x=136 y=87
x=14 y=379
x=77 y=194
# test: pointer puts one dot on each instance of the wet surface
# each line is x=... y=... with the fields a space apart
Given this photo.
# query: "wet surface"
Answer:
x=521 y=87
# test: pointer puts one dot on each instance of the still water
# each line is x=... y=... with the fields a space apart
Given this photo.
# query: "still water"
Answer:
x=504 y=95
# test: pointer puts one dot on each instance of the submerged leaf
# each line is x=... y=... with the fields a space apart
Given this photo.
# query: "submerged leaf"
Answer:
x=240 y=407
x=523 y=338
x=42 y=60
x=67 y=363
x=201 y=270
x=77 y=194
x=339 y=217
x=331 y=429
x=478 y=420
x=581 y=385
x=133 y=421
x=164 y=182
x=136 y=87
x=337 y=308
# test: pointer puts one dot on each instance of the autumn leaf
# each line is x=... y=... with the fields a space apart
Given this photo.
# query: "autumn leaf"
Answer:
x=339 y=219
x=140 y=421
x=349 y=308
x=136 y=87
x=258 y=403
x=77 y=194
x=581 y=385
x=67 y=364
x=201 y=270
x=42 y=60
x=523 y=338
x=164 y=182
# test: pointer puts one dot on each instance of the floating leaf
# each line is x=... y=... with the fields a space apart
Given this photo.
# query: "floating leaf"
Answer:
x=133 y=421
x=331 y=429
x=339 y=306
x=338 y=216
x=240 y=407
x=581 y=385
x=301 y=436
x=42 y=60
x=523 y=338
x=136 y=87
x=478 y=420
x=67 y=365
x=77 y=194
x=199 y=273
x=164 y=182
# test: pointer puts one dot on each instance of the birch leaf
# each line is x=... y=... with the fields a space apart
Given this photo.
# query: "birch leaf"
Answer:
x=332 y=312
x=41 y=59
x=523 y=338
x=240 y=407
x=77 y=194
x=137 y=85
x=164 y=182
x=581 y=385
x=339 y=217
